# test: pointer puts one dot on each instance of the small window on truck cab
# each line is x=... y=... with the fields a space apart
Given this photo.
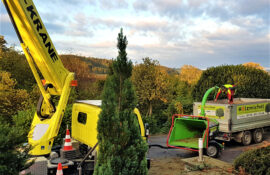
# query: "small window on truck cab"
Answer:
x=82 y=117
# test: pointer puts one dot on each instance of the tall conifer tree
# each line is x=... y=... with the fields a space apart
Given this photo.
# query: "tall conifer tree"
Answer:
x=121 y=147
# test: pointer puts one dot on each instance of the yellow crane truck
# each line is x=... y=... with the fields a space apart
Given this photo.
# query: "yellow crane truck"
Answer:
x=56 y=81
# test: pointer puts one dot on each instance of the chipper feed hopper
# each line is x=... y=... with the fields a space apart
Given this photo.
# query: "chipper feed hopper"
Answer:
x=187 y=130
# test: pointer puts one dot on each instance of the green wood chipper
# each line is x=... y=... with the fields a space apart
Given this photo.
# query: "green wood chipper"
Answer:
x=187 y=129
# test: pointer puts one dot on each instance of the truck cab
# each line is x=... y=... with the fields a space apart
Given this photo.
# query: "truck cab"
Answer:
x=84 y=121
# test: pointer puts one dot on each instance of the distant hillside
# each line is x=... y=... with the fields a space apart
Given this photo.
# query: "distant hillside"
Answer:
x=96 y=65
x=171 y=71
x=100 y=67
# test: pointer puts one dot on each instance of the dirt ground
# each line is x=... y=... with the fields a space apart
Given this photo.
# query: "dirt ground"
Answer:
x=166 y=166
x=175 y=166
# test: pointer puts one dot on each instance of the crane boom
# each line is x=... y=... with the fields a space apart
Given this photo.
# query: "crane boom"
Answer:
x=33 y=35
x=41 y=55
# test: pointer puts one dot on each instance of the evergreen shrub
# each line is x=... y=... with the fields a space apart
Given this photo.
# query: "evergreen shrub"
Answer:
x=250 y=82
x=255 y=161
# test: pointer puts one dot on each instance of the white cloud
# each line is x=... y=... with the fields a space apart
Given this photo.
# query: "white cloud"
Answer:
x=4 y=18
x=200 y=32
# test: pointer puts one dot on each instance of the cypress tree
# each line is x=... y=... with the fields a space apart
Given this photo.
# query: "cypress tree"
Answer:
x=121 y=147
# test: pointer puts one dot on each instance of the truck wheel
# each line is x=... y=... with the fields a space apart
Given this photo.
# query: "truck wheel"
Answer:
x=246 y=138
x=213 y=150
x=258 y=135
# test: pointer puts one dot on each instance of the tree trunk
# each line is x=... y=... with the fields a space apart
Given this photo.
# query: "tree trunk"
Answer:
x=150 y=108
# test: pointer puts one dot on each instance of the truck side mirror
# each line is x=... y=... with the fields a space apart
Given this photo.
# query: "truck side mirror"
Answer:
x=146 y=127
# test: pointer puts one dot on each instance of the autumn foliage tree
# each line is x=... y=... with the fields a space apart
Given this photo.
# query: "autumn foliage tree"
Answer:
x=254 y=65
x=76 y=65
x=3 y=46
x=11 y=99
x=121 y=147
x=15 y=63
x=190 y=74
x=83 y=75
x=151 y=83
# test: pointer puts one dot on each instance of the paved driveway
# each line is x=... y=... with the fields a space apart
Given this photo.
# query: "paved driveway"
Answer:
x=232 y=149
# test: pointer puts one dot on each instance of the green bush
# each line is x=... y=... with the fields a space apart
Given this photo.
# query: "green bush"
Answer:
x=23 y=119
x=65 y=121
x=182 y=105
x=250 y=82
x=13 y=155
x=152 y=122
x=166 y=127
x=255 y=162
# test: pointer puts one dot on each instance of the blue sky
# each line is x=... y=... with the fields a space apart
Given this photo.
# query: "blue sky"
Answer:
x=202 y=33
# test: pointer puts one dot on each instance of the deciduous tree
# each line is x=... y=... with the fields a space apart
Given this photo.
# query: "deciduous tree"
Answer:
x=190 y=74
x=255 y=65
x=3 y=46
x=76 y=65
x=151 y=83
x=14 y=62
x=11 y=99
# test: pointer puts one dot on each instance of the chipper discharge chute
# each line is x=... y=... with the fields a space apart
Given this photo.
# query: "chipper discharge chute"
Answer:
x=186 y=131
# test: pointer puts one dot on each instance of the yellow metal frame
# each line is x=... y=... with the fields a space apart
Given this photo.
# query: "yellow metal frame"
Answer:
x=139 y=117
x=41 y=53
x=43 y=145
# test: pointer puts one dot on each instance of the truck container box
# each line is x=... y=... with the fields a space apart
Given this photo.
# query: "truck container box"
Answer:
x=243 y=114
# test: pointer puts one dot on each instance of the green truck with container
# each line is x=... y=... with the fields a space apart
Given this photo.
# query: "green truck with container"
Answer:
x=242 y=119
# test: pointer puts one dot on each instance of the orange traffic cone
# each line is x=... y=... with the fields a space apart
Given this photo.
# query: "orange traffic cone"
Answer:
x=59 y=169
x=67 y=145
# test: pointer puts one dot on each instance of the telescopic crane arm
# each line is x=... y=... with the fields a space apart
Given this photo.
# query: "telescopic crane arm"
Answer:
x=41 y=55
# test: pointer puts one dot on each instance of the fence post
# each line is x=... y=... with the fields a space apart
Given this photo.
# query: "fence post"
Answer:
x=200 y=150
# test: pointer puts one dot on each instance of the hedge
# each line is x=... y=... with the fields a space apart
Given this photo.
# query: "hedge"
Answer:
x=255 y=162
x=250 y=82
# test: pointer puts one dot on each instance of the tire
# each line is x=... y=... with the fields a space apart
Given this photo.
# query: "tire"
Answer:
x=258 y=135
x=41 y=106
x=246 y=138
x=83 y=148
x=213 y=150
